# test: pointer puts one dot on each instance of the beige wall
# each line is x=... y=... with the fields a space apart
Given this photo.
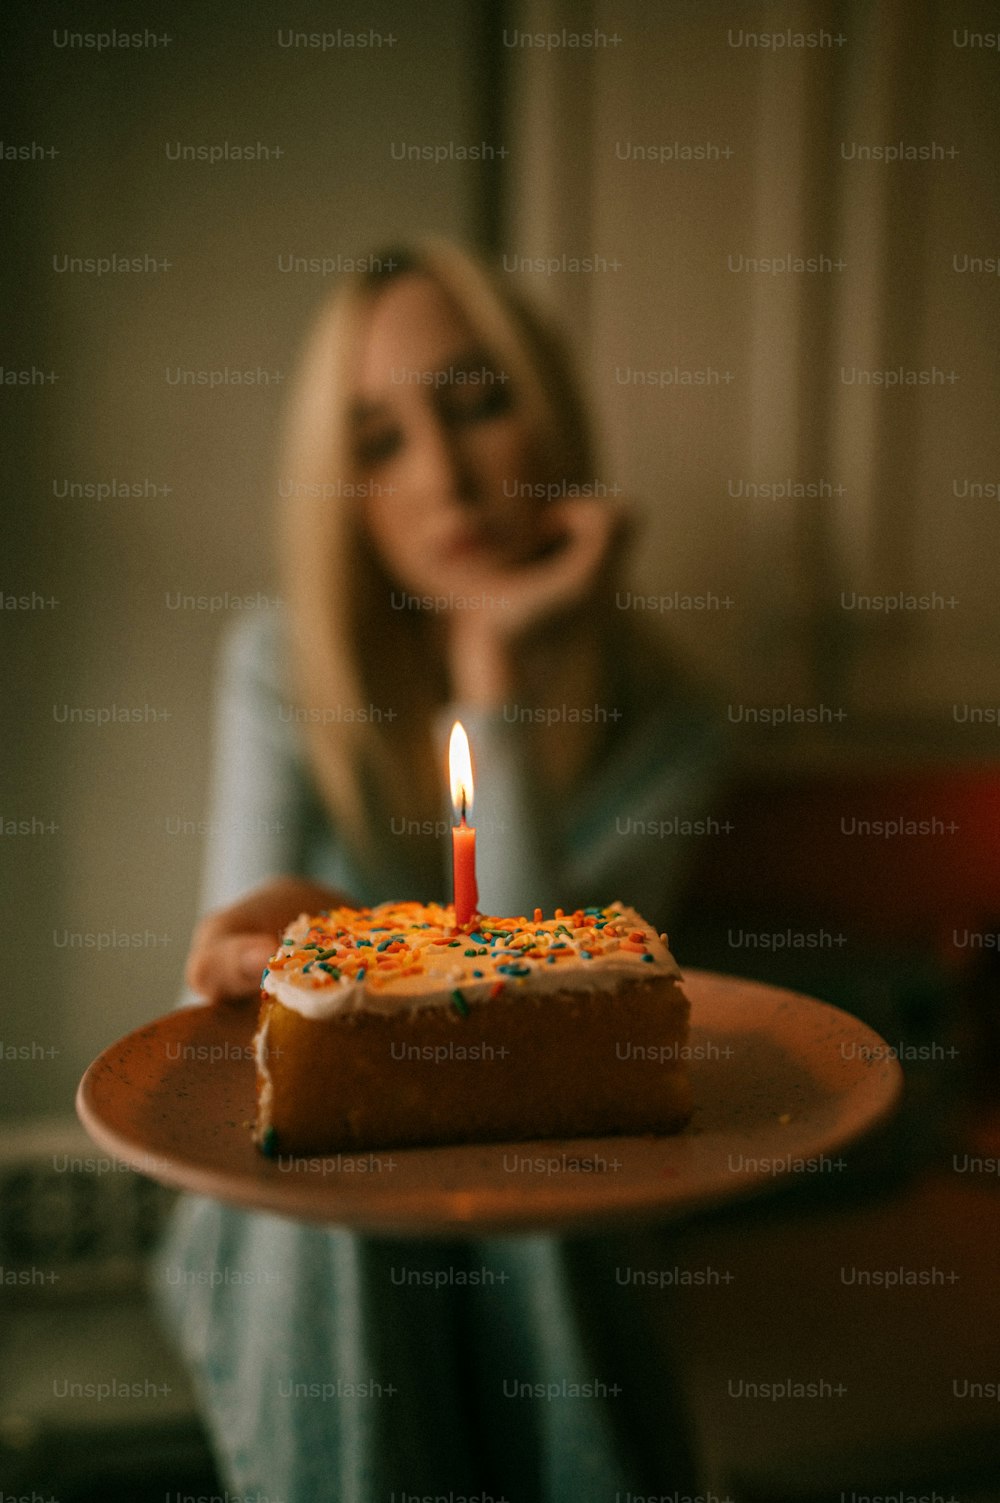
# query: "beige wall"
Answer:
x=116 y=792
x=785 y=122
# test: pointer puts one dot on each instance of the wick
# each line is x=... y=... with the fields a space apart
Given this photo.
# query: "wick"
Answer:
x=463 y=803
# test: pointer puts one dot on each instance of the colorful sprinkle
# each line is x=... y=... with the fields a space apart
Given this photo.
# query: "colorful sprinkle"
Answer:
x=406 y=938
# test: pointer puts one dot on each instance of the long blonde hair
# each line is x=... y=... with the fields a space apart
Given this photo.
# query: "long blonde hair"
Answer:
x=366 y=678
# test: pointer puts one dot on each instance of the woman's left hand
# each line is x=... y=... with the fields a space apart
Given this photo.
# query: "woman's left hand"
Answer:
x=585 y=536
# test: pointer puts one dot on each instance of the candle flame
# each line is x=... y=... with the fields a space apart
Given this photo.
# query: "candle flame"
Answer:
x=460 y=770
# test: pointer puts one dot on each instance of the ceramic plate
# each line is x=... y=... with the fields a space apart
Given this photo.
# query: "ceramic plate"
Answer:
x=783 y=1085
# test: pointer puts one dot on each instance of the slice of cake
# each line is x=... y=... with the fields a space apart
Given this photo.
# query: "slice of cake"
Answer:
x=381 y=1027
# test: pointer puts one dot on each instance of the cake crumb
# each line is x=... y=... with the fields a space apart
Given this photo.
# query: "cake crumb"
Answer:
x=785 y=1118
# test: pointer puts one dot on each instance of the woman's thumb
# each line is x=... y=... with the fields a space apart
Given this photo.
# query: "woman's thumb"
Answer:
x=252 y=955
x=229 y=967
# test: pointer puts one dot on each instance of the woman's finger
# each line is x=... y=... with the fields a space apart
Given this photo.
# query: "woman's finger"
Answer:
x=269 y=907
x=591 y=532
x=229 y=967
x=231 y=946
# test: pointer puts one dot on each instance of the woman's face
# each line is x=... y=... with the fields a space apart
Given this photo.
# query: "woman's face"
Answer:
x=442 y=445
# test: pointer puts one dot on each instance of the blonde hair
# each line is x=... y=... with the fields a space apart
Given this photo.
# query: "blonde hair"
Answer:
x=353 y=657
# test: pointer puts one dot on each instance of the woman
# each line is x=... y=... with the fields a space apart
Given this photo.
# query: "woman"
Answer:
x=444 y=556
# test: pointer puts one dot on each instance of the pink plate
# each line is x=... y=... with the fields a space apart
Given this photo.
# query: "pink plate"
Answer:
x=782 y=1085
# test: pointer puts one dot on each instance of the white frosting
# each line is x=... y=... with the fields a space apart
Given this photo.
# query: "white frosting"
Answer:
x=266 y=1092
x=448 y=969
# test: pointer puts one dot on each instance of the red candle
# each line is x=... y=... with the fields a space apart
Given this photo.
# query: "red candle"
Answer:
x=463 y=835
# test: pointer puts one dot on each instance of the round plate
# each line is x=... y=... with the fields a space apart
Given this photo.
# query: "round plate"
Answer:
x=782 y=1084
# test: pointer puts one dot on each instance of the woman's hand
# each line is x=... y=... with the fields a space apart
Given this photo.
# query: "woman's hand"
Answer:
x=231 y=946
x=584 y=537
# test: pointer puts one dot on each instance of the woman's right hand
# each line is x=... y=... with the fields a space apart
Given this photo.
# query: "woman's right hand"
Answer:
x=231 y=946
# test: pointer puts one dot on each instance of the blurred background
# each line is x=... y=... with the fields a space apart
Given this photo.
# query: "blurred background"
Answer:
x=772 y=232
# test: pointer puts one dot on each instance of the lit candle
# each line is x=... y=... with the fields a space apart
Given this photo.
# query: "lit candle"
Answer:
x=463 y=836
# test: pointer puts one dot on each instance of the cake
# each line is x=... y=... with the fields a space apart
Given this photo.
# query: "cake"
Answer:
x=388 y=1026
